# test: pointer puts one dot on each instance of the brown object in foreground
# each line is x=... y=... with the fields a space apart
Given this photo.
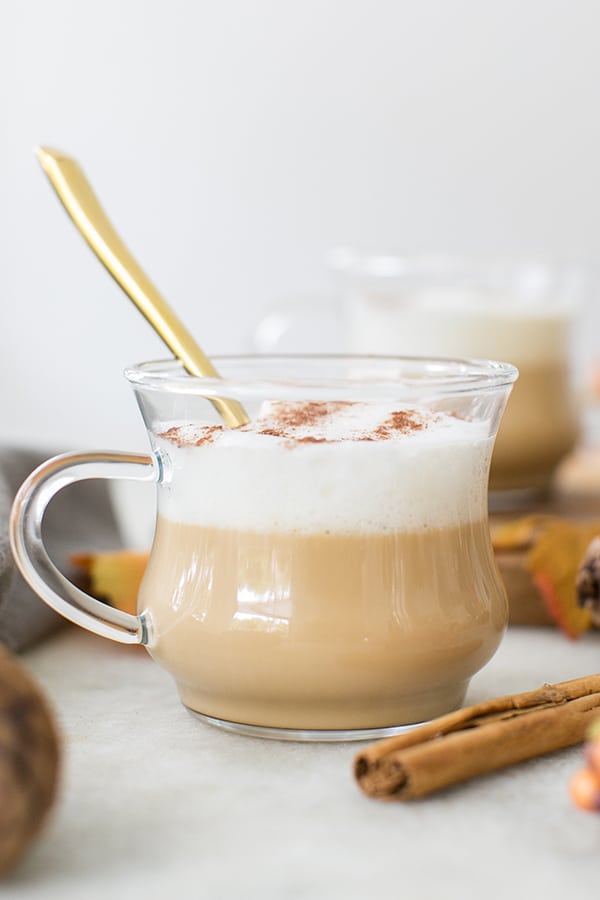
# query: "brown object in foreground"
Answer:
x=479 y=739
x=588 y=581
x=29 y=758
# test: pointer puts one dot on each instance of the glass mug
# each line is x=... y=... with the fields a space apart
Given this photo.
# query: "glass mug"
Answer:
x=324 y=572
x=523 y=312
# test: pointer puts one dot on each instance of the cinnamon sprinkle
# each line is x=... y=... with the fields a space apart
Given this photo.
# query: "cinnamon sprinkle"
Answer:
x=176 y=435
x=291 y=421
x=303 y=415
x=403 y=421
x=311 y=439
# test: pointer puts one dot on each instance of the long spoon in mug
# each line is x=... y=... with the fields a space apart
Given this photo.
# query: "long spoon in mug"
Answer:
x=82 y=205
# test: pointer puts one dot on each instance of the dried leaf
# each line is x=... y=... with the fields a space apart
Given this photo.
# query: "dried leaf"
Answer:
x=553 y=562
x=114 y=577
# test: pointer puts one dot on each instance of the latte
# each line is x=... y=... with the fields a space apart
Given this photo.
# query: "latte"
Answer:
x=326 y=567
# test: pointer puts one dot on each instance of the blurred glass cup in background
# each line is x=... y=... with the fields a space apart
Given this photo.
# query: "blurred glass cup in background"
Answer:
x=522 y=312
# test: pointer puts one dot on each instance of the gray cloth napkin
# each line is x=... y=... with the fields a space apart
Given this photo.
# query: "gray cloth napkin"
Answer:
x=81 y=519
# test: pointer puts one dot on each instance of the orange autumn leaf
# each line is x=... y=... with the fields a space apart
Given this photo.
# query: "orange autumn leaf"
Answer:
x=553 y=561
x=552 y=549
x=571 y=620
x=114 y=577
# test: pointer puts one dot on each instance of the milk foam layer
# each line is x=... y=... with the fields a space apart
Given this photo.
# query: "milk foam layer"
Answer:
x=356 y=468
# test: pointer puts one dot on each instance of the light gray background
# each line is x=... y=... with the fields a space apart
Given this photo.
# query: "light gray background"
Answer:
x=233 y=143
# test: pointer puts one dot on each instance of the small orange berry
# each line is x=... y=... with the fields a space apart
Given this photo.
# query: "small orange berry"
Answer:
x=584 y=789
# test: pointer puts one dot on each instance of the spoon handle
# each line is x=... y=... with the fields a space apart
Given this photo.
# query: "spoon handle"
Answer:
x=82 y=205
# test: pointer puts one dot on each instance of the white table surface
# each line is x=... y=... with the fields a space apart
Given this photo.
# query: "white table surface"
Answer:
x=156 y=804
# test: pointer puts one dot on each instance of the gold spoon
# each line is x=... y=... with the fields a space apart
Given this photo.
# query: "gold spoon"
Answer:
x=82 y=205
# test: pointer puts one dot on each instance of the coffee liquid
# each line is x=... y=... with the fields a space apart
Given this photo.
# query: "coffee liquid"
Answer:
x=323 y=631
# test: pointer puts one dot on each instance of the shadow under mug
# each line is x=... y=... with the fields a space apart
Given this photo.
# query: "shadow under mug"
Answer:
x=522 y=312
x=322 y=573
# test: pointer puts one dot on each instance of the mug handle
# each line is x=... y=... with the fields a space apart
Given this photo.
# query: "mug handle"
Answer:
x=31 y=556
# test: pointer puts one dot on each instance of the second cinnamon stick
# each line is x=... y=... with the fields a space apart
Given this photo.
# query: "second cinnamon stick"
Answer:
x=479 y=739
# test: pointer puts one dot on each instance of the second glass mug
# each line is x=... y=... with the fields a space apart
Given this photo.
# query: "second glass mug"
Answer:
x=521 y=311
x=324 y=572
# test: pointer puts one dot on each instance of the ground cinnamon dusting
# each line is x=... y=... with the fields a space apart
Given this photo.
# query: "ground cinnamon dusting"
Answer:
x=176 y=435
x=280 y=432
x=285 y=420
x=403 y=421
x=289 y=417
x=305 y=415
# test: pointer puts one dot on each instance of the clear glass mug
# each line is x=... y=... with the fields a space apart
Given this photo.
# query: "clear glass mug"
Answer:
x=324 y=572
x=524 y=312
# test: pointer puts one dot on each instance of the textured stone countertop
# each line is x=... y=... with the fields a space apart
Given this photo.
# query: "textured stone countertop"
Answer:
x=156 y=804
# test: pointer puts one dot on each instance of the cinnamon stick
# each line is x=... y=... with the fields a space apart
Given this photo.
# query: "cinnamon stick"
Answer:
x=479 y=739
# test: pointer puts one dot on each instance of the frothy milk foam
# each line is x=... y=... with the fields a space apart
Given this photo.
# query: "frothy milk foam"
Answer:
x=347 y=471
x=326 y=567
